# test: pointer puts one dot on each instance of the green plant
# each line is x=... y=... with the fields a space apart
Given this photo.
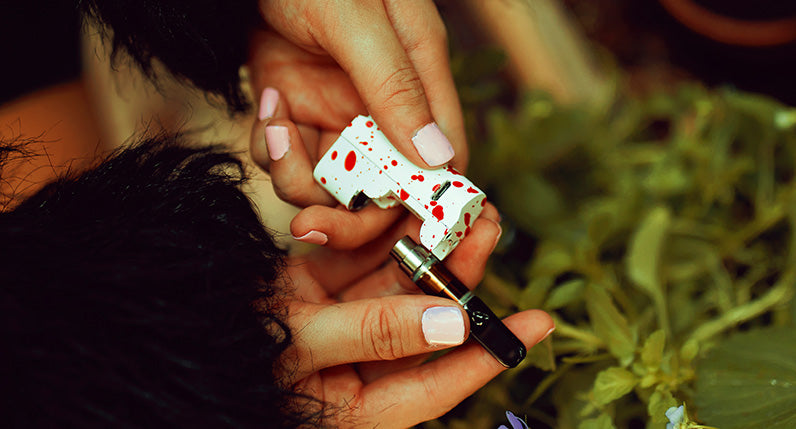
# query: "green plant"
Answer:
x=652 y=230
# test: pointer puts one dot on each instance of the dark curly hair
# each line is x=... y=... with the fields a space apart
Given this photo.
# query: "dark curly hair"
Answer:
x=202 y=41
x=136 y=294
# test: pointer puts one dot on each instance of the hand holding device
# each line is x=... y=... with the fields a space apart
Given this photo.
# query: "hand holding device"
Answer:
x=362 y=166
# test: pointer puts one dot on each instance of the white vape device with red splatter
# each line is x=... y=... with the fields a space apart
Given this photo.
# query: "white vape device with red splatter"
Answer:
x=362 y=165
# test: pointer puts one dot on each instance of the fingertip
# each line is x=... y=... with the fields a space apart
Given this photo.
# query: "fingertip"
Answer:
x=345 y=229
x=432 y=145
x=266 y=142
x=313 y=237
x=491 y=212
x=531 y=326
x=258 y=149
x=277 y=141
x=269 y=99
x=301 y=223
x=497 y=235
x=444 y=326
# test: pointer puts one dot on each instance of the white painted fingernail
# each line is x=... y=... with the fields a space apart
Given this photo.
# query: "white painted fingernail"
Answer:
x=313 y=237
x=432 y=145
x=268 y=101
x=443 y=326
x=277 y=139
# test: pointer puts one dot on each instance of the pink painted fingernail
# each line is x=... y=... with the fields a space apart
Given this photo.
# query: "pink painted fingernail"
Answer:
x=432 y=145
x=548 y=333
x=277 y=138
x=313 y=237
x=268 y=102
x=443 y=326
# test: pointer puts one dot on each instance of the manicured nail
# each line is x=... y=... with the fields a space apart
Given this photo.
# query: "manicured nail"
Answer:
x=432 y=145
x=277 y=138
x=268 y=102
x=443 y=326
x=313 y=237
x=548 y=333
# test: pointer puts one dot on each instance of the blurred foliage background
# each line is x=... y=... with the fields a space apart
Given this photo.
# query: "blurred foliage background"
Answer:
x=653 y=218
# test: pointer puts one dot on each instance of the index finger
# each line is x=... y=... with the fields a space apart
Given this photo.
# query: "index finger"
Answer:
x=428 y=391
x=372 y=54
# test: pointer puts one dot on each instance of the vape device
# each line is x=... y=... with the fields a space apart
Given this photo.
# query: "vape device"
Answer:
x=362 y=166
x=434 y=279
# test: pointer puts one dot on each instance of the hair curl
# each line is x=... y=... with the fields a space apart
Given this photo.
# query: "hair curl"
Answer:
x=135 y=295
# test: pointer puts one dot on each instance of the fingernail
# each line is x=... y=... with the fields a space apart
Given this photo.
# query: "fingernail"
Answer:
x=443 y=326
x=277 y=138
x=548 y=333
x=313 y=237
x=268 y=102
x=432 y=145
x=497 y=238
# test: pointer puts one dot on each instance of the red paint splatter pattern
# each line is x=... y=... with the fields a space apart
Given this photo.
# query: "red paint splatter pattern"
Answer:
x=438 y=213
x=447 y=219
x=350 y=161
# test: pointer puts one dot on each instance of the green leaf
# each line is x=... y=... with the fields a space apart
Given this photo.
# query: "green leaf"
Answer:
x=534 y=293
x=652 y=351
x=646 y=246
x=551 y=259
x=541 y=356
x=565 y=294
x=749 y=381
x=609 y=324
x=611 y=384
x=688 y=352
x=667 y=178
x=530 y=200
x=660 y=401
x=602 y=422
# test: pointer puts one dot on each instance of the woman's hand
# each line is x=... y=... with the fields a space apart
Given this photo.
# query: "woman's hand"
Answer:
x=361 y=350
x=322 y=62
x=291 y=151
x=332 y=60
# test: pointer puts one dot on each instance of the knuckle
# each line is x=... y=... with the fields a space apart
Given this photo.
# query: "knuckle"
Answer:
x=433 y=388
x=292 y=191
x=285 y=192
x=432 y=42
x=401 y=88
x=438 y=34
x=381 y=333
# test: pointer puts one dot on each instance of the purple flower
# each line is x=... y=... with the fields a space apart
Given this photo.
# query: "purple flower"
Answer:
x=676 y=415
x=516 y=422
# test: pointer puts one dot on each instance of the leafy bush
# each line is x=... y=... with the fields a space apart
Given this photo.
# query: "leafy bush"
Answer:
x=655 y=230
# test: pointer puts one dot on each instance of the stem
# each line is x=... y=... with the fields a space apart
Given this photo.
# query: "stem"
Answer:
x=777 y=295
x=545 y=384
x=566 y=330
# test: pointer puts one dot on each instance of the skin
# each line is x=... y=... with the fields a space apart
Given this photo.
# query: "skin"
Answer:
x=333 y=60
x=391 y=55
x=360 y=348
x=356 y=319
x=359 y=345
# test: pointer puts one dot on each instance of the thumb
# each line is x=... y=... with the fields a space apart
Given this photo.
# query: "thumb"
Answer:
x=376 y=329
